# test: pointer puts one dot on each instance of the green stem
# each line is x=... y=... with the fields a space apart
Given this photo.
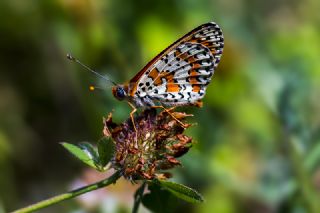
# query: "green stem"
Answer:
x=69 y=195
x=137 y=197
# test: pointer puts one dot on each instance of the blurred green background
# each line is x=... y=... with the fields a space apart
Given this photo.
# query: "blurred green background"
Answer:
x=258 y=133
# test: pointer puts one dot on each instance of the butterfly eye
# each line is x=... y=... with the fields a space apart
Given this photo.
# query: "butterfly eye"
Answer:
x=120 y=93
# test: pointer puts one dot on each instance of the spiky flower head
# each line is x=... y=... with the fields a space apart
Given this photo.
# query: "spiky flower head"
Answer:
x=155 y=145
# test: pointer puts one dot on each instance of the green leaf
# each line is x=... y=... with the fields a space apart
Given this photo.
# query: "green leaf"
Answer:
x=84 y=155
x=182 y=191
x=105 y=150
x=159 y=200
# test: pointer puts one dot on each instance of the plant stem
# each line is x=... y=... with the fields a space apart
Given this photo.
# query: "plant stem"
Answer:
x=69 y=195
x=137 y=197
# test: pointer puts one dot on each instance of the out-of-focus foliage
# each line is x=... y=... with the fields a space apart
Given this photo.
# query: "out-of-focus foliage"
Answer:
x=258 y=133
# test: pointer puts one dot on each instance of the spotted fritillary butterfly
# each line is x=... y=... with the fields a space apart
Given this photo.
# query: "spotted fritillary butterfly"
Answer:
x=180 y=74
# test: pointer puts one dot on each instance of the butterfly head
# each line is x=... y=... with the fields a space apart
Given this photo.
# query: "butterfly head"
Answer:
x=119 y=92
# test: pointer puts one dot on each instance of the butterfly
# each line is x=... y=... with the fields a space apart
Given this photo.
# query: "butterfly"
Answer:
x=180 y=74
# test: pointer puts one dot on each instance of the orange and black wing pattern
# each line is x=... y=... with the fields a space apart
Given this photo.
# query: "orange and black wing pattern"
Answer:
x=180 y=74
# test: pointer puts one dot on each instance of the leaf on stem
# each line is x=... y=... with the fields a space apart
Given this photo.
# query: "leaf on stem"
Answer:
x=159 y=200
x=84 y=153
x=181 y=191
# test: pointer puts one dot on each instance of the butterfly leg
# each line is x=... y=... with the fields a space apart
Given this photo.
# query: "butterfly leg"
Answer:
x=169 y=112
x=134 y=109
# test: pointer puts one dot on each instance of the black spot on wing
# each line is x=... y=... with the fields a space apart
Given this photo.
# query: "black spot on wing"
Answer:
x=189 y=95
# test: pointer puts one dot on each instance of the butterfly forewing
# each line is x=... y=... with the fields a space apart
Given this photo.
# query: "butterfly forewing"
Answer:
x=180 y=74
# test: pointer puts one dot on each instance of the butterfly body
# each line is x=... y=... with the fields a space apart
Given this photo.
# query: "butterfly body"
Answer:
x=180 y=74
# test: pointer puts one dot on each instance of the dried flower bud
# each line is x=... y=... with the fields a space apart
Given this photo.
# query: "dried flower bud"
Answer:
x=154 y=147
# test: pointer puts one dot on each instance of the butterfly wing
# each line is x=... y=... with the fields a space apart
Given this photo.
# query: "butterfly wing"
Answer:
x=179 y=75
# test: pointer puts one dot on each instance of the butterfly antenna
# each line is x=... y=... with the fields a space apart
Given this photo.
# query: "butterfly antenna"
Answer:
x=71 y=58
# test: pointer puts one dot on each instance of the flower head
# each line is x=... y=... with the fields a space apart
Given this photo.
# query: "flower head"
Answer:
x=153 y=147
